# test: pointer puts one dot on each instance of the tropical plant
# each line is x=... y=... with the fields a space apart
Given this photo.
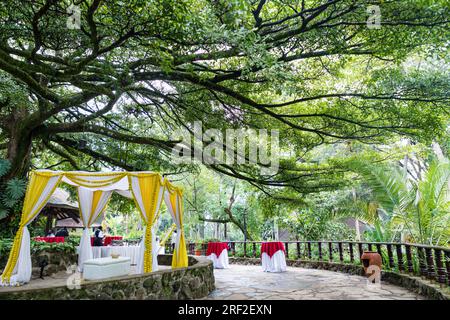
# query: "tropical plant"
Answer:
x=11 y=190
x=417 y=209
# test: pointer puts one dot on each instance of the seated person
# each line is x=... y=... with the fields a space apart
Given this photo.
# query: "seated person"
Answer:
x=50 y=233
x=98 y=237
x=62 y=232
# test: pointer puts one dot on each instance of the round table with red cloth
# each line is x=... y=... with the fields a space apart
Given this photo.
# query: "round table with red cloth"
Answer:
x=50 y=239
x=273 y=257
x=216 y=247
x=218 y=253
x=107 y=240
x=271 y=247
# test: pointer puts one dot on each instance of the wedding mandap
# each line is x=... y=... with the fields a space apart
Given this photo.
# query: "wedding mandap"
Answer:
x=148 y=189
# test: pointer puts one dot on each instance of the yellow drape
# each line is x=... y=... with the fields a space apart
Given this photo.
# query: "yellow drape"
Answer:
x=179 y=257
x=96 y=196
x=150 y=191
x=31 y=207
x=105 y=179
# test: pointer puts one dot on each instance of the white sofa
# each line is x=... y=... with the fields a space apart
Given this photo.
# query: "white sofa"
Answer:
x=108 y=267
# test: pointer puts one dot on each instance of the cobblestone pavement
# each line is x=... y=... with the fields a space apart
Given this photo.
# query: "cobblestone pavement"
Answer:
x=250 y=282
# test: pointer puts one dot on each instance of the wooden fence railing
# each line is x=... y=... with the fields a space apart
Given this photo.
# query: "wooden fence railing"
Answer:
x=422 y=260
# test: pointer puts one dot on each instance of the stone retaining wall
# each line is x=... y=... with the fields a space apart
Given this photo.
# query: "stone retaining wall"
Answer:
x=57 y=261
x=195 y=281
x=421 y=286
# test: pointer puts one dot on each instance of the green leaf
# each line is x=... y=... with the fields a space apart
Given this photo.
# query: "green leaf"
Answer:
x=15 y=188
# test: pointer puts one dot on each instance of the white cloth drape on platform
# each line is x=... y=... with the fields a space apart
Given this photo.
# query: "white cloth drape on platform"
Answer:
x=220 y=262
x=276 y=263
x=92 y=204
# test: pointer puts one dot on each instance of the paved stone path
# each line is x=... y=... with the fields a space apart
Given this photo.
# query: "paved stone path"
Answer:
x=250 y=282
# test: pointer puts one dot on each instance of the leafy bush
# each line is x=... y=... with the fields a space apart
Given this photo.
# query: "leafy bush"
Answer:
x=38 y=246
x=12 y=191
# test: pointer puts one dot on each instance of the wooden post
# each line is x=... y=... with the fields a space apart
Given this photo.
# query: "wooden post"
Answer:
x=320 y=250
x=391 y=257
x=286 y=245
x=430 y=263
x=298 y=250
x=398 y=248
x=330 y=251
x=447 y=264
x=440 y=266
x=409 y=259
x=245 y=249
x=233 y=248
x=379 y=251
x=341 y=253
x=360 y=251
x=254 y=249
x=49 y=223
x=309 y=250
x=422 y=263
x=350 y=249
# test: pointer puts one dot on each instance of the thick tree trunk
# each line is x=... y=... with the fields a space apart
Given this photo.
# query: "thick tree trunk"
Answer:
x=19 y=144
x=18 y=154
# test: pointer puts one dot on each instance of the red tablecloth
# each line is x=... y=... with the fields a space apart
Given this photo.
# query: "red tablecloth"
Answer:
x=50 y=239
x=271 y=247
x=216 y=247
x=107 y=240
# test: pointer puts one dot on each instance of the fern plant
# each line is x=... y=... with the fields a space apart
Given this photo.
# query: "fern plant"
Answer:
x=12 y=191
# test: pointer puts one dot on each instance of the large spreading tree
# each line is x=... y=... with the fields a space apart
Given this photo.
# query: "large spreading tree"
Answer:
x=111 y=92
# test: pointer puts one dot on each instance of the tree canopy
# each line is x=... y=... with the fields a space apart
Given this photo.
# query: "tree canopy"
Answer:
x=112 y=92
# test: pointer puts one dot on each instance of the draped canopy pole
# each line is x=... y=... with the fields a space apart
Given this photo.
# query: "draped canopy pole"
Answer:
x=92 y=204
x=40 y=188
x=173 y=198
x=147 y=190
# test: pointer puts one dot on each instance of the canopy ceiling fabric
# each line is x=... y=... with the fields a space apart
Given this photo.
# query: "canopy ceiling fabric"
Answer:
x=94 y=191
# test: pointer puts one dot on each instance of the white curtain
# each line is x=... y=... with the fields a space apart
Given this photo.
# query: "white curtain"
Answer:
x=92 y=204
x=155 y=250
x=175 y=216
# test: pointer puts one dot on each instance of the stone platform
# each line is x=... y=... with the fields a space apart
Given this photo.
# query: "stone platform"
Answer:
x=247 y=282
x=195 y=281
